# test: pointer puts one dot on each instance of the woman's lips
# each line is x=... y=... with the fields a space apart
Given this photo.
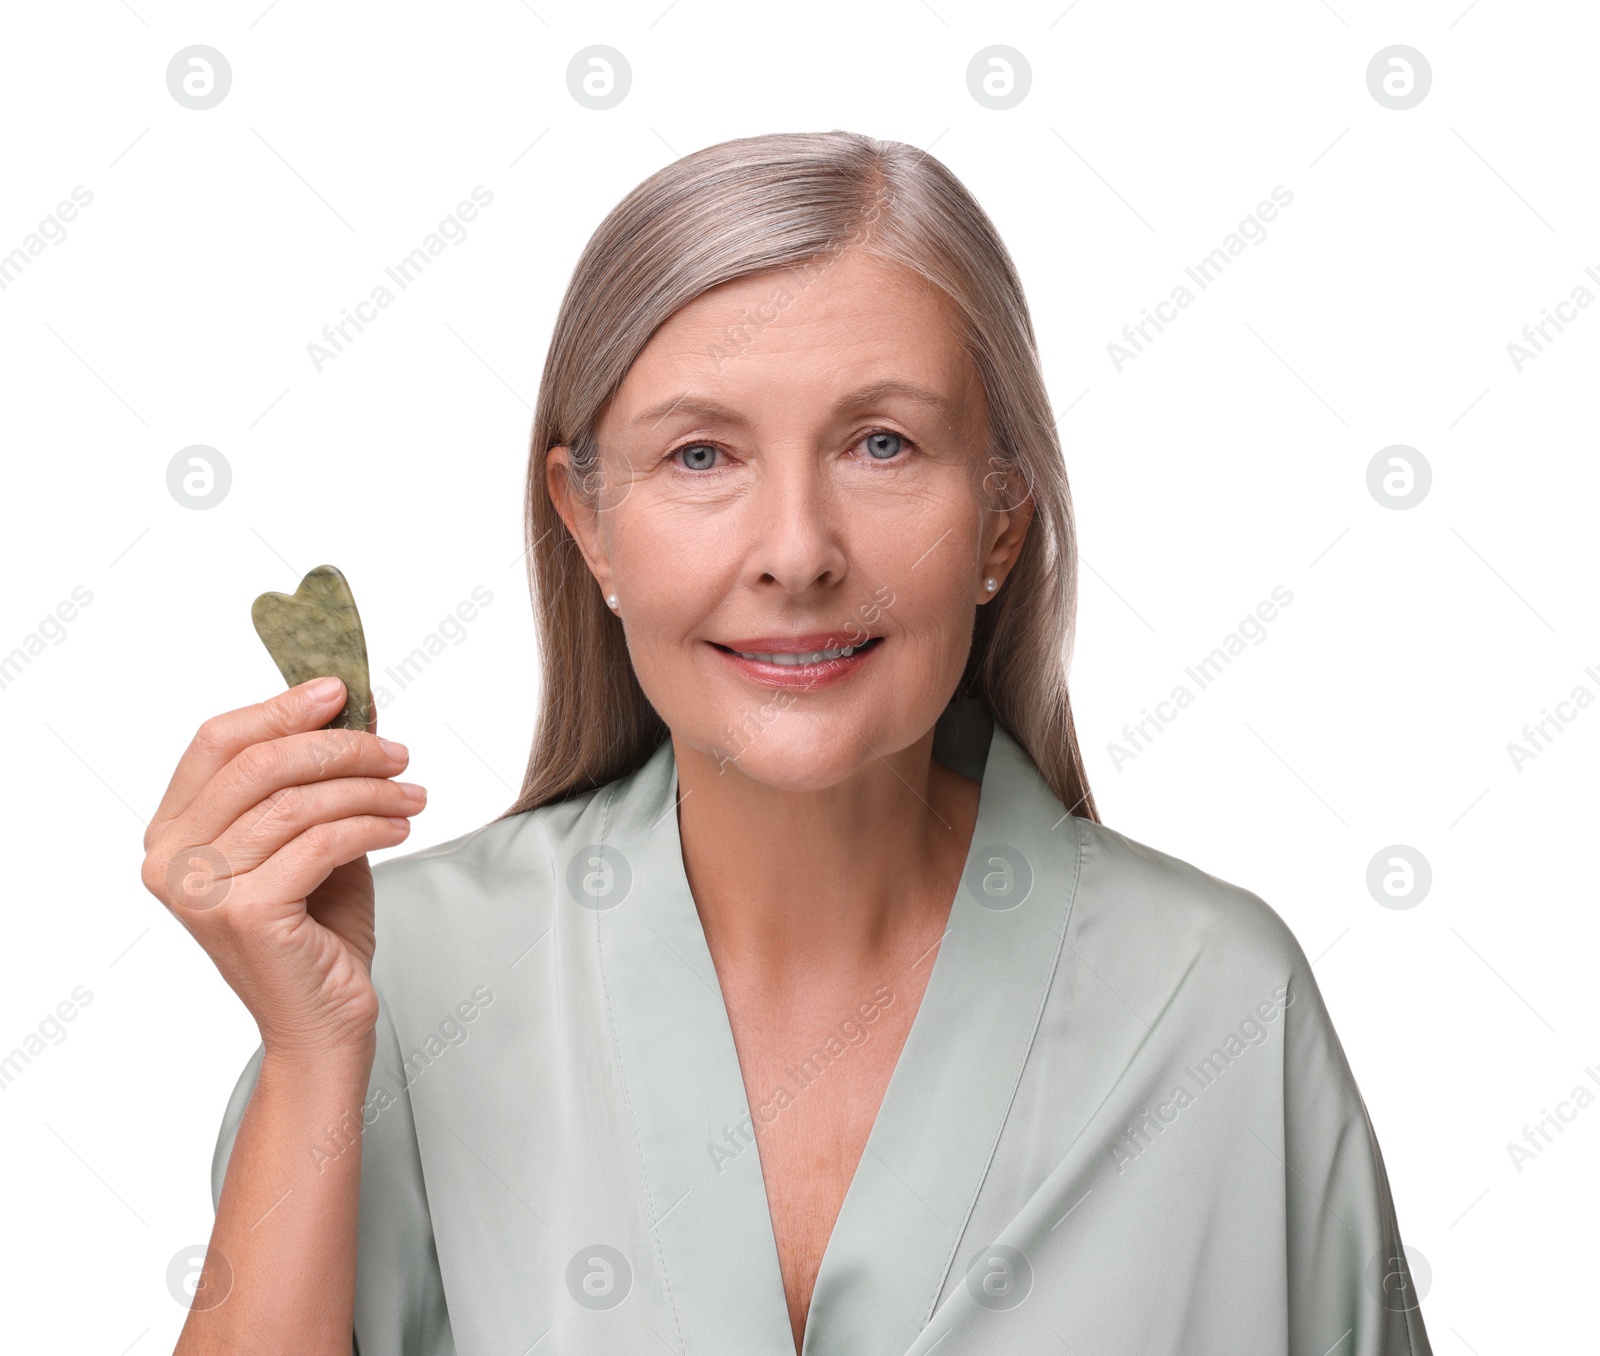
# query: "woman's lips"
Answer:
x=806 y=673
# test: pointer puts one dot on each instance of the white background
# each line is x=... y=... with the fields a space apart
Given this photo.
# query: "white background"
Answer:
x=1229 y=457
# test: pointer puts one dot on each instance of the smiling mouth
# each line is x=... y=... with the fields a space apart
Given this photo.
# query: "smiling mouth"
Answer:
x=796 y=659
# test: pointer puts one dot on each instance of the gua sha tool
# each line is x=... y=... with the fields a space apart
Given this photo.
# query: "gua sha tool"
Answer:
x=315 y=632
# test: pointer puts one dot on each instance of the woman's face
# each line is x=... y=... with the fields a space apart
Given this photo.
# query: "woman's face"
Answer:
x=793 y=465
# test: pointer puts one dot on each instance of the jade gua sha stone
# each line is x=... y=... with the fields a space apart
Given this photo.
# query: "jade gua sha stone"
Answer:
x=314 y=632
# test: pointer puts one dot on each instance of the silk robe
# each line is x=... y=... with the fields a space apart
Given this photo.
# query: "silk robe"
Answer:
x=1121 y=1121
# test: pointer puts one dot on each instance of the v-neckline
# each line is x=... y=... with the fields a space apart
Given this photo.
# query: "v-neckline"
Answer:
x=893 y=1241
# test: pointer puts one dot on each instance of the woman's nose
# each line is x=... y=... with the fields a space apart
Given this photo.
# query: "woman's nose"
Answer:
x=795 y=525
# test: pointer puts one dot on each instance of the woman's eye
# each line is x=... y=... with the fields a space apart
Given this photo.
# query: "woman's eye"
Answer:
x=883 y=445
x=697 y=456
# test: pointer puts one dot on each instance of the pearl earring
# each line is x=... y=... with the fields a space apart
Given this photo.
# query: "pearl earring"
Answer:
x=611 y=601
x=991 y=583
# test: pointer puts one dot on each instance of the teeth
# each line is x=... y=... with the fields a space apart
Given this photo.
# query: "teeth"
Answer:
x=790 y=660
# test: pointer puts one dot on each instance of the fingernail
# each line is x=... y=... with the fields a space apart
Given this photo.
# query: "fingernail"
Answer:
x=320 y=689
x=394 y=750
x=412 y=791
x=398 y=822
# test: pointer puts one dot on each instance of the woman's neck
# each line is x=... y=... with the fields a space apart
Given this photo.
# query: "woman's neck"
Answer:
x=793 y=888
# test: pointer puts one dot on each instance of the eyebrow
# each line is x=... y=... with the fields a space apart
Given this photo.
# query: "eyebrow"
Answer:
x=686 y=402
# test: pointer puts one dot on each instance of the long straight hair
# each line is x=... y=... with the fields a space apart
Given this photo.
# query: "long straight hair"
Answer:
x=795 y=201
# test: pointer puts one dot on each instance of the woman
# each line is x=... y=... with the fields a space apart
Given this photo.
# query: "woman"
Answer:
x=805 y=810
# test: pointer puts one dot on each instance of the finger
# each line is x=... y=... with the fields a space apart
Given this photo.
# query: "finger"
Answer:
x=258 y=771
x=219 y=740
x=287 y=813
x=303 y=863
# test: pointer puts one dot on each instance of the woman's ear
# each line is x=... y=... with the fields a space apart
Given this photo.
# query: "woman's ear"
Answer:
x=577 y=512
x=1006 y=529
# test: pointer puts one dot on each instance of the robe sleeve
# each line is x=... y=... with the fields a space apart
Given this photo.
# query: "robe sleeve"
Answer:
x=1351 y=1291
x=400 y=1305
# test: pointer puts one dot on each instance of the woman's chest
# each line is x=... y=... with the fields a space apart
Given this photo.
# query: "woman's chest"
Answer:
x=814 y=1088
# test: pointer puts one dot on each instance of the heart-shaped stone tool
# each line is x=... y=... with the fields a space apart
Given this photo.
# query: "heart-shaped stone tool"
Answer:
x=317 y=631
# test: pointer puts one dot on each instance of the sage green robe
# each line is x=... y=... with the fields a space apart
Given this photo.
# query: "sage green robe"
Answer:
x=1121 y=1121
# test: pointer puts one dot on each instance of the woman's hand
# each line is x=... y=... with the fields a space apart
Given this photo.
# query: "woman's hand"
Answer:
x=259 y=848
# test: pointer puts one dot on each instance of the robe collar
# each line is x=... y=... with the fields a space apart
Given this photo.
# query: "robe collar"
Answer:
x=894 y=1241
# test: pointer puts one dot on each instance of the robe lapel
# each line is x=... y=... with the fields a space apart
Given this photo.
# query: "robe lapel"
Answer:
x=685 y=1089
